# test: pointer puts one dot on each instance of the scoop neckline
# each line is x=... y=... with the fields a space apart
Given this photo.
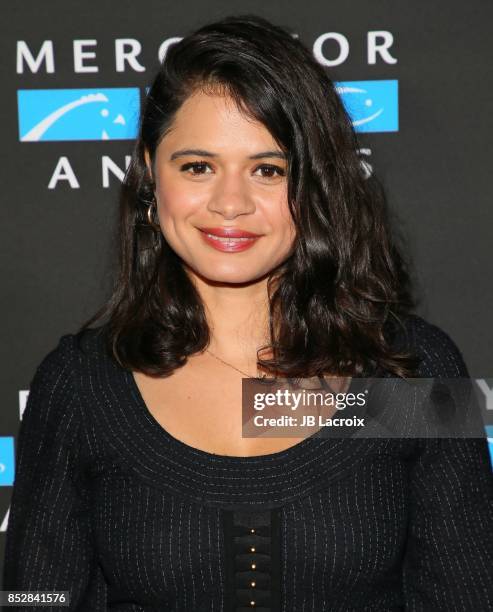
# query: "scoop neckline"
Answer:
x=184 y=447
x=136 y=445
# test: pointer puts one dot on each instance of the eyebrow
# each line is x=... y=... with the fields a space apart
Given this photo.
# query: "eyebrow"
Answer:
x=203 y=153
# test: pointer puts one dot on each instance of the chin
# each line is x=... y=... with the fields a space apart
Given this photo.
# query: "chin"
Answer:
x=231 y=274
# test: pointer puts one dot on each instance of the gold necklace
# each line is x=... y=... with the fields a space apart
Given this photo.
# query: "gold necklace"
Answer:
x=234 y=367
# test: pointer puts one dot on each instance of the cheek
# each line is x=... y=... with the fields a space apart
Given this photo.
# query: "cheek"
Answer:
x=279 y=218
x=176 y=202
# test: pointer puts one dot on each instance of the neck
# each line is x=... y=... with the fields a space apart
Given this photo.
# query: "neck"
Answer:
x=238 y=318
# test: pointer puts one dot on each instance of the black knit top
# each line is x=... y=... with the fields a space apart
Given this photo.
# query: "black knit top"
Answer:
x=112 y=508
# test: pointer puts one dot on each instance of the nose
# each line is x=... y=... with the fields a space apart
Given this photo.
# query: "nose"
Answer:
x=231 y=197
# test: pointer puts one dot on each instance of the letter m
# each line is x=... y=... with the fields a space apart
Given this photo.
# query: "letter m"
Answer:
x=45 y=54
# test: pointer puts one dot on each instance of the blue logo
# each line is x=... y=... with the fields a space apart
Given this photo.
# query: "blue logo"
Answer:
x=78 y=114
x=6 y=461
x=372 y=105
x=489 y=434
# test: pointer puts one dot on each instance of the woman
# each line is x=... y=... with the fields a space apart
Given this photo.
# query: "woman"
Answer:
x=251 y=243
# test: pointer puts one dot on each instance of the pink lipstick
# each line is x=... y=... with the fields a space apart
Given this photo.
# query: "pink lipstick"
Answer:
x=228 y=239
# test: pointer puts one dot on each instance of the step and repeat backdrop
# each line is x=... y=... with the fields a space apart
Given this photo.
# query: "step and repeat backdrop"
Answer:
x=415 y=78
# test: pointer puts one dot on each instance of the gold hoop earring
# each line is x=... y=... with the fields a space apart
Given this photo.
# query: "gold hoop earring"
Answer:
x=154 y=225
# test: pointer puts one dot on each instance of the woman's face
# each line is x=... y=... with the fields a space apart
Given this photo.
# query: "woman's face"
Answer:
x=215 y=171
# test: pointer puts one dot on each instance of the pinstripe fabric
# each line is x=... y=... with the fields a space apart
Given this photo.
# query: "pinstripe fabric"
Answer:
x=109 y=506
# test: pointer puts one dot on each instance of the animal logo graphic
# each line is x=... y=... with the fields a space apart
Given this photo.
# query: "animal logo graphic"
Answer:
x=6 y=461
x=372 y=105
x=489 y=434
x=78 y=114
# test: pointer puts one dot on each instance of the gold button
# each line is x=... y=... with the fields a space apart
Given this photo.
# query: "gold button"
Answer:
x=252 y=530
x=252 y=549
x=253 y=584
x=253 y=566
x=252 y=603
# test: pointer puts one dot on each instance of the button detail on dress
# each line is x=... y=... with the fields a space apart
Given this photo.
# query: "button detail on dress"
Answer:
x=252 y=543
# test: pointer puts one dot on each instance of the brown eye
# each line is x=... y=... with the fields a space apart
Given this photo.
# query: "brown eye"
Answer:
x=270 y=171
x=196 y=167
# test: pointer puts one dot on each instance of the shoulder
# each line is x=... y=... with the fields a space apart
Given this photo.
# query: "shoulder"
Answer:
x=66 y=351
x=54 y=387
x=438 y=354
x=56 y=364
x=51 y=410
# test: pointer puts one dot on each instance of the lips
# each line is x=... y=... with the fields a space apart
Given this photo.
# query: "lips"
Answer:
x=228 y=232
x=228 y=239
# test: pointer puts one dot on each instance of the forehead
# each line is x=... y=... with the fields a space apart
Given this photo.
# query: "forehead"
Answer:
x=214 y=120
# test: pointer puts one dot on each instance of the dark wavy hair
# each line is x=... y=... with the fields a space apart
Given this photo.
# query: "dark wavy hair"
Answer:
x=345 y=286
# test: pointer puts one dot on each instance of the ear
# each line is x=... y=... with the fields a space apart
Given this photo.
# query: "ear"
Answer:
x=147 y=158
